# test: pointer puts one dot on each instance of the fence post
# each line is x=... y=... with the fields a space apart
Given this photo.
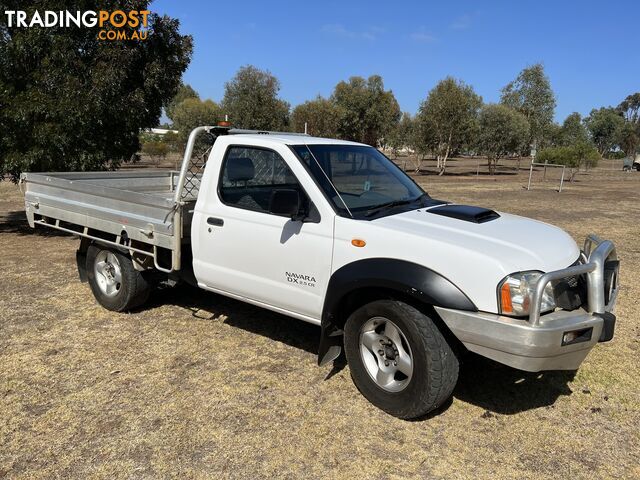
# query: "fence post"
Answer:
x=561 y=180
x=544 y=173
x=530 y=173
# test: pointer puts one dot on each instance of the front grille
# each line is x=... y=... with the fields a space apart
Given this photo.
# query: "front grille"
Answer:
x=570 y=293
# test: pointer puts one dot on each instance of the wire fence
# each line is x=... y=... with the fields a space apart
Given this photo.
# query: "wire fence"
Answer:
x=478 y=166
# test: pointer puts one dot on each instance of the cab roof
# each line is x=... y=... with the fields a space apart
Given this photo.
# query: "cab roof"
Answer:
x=292 y=139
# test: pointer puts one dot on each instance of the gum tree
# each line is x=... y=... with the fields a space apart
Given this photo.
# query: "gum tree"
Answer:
x=502 y=131
x=604 y=126
x=251 y=100
x=402 y=135
x=184 y=91
x=630 y=108
x=69 y=101
x=629 y=135
x=531 y=94
x=191 y=113
x=573 y=157
x=320 y=115
x=367 y=112
x=446 y=119
x=573 y=130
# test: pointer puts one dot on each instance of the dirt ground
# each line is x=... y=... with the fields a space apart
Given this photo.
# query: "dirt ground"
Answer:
x=197 y=385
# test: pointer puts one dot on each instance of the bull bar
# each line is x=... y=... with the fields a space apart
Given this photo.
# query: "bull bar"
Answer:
x=593 y=266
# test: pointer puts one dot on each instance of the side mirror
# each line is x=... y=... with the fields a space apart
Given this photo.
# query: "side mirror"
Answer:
x=285 y=202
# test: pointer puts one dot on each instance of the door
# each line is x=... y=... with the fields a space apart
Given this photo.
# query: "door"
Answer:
x=241 y=248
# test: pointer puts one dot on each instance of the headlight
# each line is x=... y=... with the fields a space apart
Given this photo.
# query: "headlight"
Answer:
x=516 y=291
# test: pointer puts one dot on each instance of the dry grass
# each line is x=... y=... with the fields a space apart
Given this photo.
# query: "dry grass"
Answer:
x=197 y=385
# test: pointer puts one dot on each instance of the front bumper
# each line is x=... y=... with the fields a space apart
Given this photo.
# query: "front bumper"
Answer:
x=540 y=342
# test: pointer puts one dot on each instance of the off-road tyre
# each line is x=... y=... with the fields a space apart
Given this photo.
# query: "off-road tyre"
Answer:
x=130 y=292
x=435 y=365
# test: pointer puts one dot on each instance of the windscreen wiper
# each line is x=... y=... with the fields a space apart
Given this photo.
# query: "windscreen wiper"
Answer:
x=395 y=203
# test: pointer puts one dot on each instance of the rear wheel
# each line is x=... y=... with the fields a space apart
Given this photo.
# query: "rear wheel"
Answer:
x=399 y=359
x=115 y=283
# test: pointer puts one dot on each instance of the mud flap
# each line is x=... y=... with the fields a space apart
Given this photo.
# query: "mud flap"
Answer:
x=608 y=327
x=81 y=262
x=330 y=344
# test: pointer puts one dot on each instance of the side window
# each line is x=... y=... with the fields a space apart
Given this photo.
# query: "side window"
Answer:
x=249 y=176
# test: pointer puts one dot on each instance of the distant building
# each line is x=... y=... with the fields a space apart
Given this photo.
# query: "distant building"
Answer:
x=159 y=131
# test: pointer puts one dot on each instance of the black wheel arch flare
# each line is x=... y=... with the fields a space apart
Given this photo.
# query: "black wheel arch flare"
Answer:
x=408 y=278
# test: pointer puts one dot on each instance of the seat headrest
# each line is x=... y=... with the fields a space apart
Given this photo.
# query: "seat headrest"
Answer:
x=240 y=169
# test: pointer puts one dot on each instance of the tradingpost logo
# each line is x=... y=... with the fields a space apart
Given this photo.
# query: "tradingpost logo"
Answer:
x=113 y=25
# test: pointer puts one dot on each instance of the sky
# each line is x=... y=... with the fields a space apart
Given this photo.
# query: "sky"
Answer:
x=590 y=50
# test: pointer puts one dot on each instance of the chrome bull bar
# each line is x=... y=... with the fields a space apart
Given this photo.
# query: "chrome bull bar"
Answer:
x=594 y=262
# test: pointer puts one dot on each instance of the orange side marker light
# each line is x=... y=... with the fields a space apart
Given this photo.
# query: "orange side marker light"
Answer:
x=505 y=298
x=356 y=242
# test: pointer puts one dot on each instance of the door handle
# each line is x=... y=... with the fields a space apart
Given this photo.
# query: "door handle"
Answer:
x=218 y=222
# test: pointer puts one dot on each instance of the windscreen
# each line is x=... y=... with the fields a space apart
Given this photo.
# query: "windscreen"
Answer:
x=357 y=179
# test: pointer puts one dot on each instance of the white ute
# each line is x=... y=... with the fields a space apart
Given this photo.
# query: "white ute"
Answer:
x=334 y=233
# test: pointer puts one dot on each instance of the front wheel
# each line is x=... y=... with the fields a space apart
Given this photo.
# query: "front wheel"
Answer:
x=115 y=283
x=399 y=359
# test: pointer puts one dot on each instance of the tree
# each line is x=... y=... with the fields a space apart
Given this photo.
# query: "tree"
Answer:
x=367 y=112
x=184 y=91
x=251 y=100
x=574 y=157
x=604 y=126
x=574 y=148
x=573 y=131
x=552 y=135
x=503 y=130
x=191 y=113
x=320 y=115
x=630 y=108
x=69 y=101
x=629 y=139
x=629 y=135
x=531 y=94
x=446 y=118
x=172 y=140
x=154 y=147
x=402 y=135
